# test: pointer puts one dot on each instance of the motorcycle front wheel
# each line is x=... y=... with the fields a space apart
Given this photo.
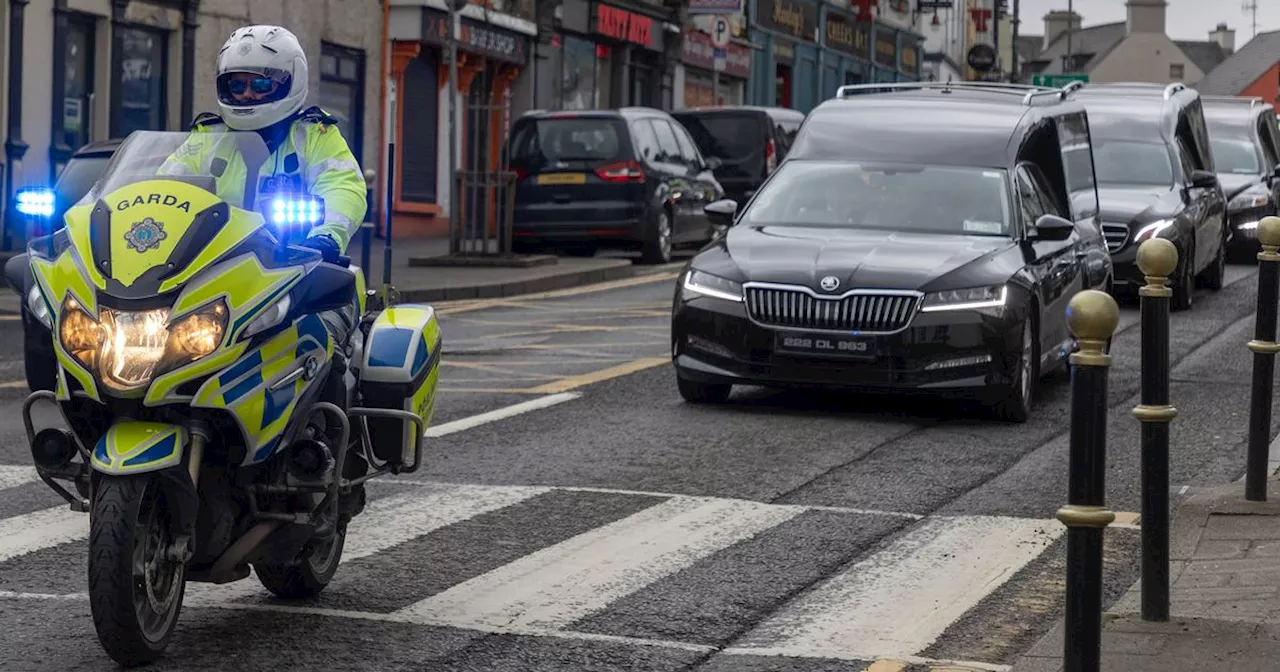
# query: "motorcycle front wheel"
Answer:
x=135 y=592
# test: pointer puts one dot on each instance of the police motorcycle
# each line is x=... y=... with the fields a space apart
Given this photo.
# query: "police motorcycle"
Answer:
x=212 y=421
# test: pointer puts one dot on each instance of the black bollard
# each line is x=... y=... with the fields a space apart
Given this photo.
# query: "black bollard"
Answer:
x=1157 y=258
x=1093 y=317
x=1264 y=350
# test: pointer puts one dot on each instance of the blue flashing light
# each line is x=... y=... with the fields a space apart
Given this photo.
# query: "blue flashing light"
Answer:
x=304 y=211
x=35 y=201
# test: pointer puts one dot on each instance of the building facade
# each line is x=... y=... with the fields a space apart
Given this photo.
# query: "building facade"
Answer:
x=809 y=49
x=91 y=70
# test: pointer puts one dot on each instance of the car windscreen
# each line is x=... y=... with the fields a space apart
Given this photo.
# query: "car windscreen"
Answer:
x=732 y=137
x=896 y=197
x=1132 y=162
x=1237 y=156
x=78 y=177
x=546 y=141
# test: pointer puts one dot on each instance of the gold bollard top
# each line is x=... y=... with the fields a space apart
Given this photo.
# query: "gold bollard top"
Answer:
x=1269 y=236
x=1093 y=317
x=1157 y=259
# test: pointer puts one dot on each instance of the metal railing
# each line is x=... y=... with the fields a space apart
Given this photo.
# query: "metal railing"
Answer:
x=1028 y=92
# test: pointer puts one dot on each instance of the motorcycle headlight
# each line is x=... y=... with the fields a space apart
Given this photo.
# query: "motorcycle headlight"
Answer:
x=1249 y=199
x=973 y=298
x=127 y=348
x=698 y=282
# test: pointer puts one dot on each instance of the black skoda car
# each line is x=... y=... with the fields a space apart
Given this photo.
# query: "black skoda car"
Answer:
x=892 y=252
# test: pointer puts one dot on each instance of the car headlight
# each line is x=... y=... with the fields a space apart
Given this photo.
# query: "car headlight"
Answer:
x=127 y=348
x=1249 y=199
x=37 y=308
x=715 y=286
x=973 y=298
x=1152 y=230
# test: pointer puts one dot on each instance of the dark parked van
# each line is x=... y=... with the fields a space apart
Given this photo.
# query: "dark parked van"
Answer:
x=750 y=142
x=627 y=178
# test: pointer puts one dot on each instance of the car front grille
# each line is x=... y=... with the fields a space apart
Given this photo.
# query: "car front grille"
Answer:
x=1117 y=235
x=798 y=309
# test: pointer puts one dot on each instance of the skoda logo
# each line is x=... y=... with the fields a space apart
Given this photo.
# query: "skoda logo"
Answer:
x=829 y=283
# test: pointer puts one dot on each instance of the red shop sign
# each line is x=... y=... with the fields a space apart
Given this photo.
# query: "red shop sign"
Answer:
x=624 y=26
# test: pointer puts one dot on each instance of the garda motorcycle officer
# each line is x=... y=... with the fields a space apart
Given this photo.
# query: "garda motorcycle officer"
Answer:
x=262 y=85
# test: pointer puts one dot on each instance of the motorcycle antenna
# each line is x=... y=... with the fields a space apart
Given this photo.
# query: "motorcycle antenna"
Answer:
x=388 y=292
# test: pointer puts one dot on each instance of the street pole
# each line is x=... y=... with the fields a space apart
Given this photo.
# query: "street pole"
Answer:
x=1092 y=317
x=1264 y=350
x=1017 y=18
x=1157 y=258
x=454 y=35
x=1071 y=24
x=995 y=35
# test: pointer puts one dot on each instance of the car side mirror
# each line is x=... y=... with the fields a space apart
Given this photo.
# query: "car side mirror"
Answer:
x=1052 y=227
x=714 y=163
x=721 y=212
x=1203 y=179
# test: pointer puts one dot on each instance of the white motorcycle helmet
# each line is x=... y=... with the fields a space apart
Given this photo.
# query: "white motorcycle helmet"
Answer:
x=262 y=77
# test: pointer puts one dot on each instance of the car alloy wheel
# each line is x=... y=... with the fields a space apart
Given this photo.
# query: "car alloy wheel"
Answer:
x=657 y=247
x=664 y=234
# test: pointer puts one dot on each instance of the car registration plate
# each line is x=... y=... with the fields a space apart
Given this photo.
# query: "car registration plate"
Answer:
x=825 y=345
x=562 y=178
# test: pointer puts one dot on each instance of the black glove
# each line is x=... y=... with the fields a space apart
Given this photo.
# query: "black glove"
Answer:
x=325 y=245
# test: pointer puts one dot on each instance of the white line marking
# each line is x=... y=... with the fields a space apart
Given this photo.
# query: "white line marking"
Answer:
x=10 y=595
x=389 y=522
x=990 y=667
x=552 y=588
x=13 y=475
x=39 y=530
x=897 y=602
x=668 y=495
x=501 y=413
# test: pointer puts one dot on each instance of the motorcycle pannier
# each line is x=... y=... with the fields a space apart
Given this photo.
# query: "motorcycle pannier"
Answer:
x=400 y=371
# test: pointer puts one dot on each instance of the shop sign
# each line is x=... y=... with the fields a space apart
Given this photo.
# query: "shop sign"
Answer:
x=794 y=18
x=477 y=37
x=784 y=52
x=699 y=52
x=625 y=26
x=716 y=6
x=887 y=50
x=844 y=34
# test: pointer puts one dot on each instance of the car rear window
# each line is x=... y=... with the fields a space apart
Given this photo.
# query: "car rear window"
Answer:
x=727 y=136
x=546 y=140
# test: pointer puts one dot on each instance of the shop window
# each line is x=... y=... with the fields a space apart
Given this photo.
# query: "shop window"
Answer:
x=342 y=91
x=74 y=103
x=584 y=79
x=1176 y=70
x=418 y=152
x=139 y=80
x=782 y=95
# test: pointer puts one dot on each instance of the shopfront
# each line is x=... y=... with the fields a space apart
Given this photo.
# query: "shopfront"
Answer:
x=785 y=72
x=490 y=58
x=701 y=86
x=848 y=50
x=609 y=55
x=897 y=55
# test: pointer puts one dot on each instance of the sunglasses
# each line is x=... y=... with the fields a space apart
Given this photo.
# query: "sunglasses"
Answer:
x=258 y=84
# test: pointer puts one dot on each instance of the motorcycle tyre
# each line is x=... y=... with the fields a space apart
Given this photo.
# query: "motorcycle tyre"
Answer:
x=117 y=524
x=308 y=577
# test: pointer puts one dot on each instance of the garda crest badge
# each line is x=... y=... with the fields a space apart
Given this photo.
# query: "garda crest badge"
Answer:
x=145 y=235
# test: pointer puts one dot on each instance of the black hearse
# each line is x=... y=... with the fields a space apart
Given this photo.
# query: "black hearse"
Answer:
x=1156 y=179
x=1246 y=154
x=892 y=250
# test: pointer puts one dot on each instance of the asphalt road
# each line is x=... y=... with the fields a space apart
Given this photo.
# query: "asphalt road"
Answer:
x=577 y=515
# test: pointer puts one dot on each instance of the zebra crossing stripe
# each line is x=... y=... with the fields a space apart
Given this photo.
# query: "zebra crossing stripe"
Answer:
x=551 y=589
x=12 y=476
x=389 y=521
x=41 y=529
x=897 y=602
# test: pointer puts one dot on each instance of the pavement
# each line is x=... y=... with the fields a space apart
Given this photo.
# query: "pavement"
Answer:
x=576 y=515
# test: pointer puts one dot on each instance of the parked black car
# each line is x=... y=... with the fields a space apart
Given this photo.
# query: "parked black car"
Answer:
x=77 y=177
x=1156 y=178
x=1246 y=153
x=891 y=252
x=750 y=142
x=626 y=178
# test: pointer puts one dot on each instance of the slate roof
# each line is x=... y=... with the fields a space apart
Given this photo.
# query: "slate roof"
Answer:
x=1206 y=55
x=1234 y=74
x=1091 y=44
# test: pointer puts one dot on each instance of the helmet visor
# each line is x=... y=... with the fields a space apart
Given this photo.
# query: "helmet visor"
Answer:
x=245 y=88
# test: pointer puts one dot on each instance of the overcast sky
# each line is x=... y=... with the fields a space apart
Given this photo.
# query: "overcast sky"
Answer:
x=1188 y=19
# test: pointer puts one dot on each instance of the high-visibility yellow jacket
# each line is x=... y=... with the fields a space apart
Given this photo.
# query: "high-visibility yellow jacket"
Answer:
x=312 y=160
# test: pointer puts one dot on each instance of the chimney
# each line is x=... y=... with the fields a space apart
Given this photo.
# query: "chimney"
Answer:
x=1225 y=37
x=1056 y=23
x=1146 y=16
